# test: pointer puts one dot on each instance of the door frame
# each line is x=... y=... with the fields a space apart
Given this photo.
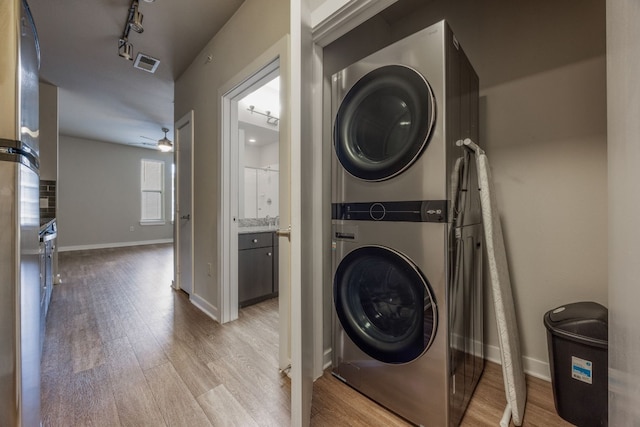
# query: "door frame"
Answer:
x=231 y=184
x=310 y=31
x=186 y=119
x=274 y=58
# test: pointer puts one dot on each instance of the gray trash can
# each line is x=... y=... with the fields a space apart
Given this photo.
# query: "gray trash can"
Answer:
x=577 y=339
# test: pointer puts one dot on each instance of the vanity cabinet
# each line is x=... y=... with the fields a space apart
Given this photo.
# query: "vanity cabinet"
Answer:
x=257 y=267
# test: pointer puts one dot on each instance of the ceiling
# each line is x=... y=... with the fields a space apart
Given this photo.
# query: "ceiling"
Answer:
x=259 y=114
x=101 y=95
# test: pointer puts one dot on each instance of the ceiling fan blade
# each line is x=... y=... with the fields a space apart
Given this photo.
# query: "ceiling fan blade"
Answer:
x=146 y=144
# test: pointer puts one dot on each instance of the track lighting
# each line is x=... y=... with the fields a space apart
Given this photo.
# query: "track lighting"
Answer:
x=133 y=22
x=165 y=144
x=271 y=119
x=125 y=49
x=135 y=18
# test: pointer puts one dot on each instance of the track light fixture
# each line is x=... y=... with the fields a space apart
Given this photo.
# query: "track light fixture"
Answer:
x=271 y=119
x=134 y=22
x=125 y=49
x=135 y=18
x=165 y=144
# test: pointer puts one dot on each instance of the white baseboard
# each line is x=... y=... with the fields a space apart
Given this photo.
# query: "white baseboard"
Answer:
x=204 y=306
x=112 y=245
x=326 y=359
x=534 y=367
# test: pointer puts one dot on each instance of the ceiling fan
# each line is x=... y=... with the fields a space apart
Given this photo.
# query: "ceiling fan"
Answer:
x=153 y=144
x=164 y=144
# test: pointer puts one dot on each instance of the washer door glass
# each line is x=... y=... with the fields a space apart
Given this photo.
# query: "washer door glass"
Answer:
x=384 y=123
x=384 y=304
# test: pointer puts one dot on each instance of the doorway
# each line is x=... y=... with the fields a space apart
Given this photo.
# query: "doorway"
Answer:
x=255 y=197
x=183 y=221
x=258 y=177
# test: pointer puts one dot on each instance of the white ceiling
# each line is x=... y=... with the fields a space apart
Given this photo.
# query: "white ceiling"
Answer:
x=101 y=95
x=258 y=136
x=260 y=130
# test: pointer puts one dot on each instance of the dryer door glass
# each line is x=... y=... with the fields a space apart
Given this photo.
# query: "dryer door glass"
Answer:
x=384 y=304
x=384 y=123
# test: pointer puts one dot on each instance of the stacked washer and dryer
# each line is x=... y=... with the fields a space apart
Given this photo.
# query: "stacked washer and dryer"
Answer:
x=407 y=228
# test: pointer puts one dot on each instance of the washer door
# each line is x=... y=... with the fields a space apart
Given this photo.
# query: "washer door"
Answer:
x=384 y=123
x=384 y=303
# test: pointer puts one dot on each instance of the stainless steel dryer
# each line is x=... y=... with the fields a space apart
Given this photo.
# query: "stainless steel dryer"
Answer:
x=407 y=233
x=394 y=113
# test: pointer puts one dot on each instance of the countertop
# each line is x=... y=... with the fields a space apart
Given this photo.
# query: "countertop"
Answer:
x=257 y=229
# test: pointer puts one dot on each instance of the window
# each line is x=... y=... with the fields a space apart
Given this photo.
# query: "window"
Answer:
x=152 y=186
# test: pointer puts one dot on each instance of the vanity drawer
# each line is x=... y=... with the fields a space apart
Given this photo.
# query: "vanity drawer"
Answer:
x=255 y=240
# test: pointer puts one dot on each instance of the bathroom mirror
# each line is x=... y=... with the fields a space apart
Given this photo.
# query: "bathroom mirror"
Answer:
x=258 y=127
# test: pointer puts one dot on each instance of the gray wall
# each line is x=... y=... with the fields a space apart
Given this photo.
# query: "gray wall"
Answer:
x=48 y=132
x=255 y=27
x=623 y=69
x=543 y=125
x=99 y=195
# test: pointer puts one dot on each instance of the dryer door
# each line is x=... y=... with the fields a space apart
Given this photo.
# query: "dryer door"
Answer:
x=384 y=123
x=384 y=304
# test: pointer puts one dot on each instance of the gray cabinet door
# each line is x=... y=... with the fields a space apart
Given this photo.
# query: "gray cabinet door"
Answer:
x=255 y=275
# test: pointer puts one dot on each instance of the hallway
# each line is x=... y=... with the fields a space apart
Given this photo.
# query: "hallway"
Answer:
x=123 y=348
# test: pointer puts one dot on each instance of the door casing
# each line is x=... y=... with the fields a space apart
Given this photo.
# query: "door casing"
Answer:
x=275 y=58
x=183 y=250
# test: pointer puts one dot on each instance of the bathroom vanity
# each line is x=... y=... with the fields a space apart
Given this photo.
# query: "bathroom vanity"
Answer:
x=257 y=266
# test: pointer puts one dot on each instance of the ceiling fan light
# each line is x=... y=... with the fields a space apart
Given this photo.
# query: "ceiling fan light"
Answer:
x=125 y=50
x=164 y=144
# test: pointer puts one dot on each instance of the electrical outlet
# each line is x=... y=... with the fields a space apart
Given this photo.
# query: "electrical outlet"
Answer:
x=209 y=268
x=131 y=228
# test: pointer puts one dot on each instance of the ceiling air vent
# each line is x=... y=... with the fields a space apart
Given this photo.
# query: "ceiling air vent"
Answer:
x=146 y=63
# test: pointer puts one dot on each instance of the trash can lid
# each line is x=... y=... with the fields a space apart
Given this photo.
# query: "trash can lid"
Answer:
x=583 y=322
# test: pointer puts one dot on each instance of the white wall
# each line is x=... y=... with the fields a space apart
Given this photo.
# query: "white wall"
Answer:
x=623 y=69
x=262 y=156
x=252 y=156
x=256 y=26
x=543 y=126
x=270 y=155
x=546 y=141
x=99 y=195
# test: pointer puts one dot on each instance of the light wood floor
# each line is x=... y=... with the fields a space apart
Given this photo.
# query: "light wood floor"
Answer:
x=123 y=349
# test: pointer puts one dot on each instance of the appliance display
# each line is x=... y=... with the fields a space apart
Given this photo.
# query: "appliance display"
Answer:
x=406 y=229
x=19 y=218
